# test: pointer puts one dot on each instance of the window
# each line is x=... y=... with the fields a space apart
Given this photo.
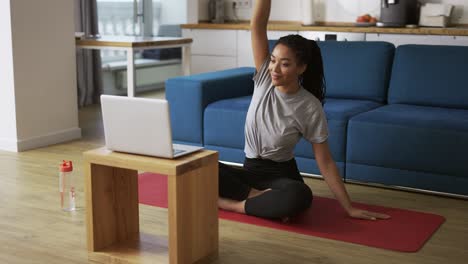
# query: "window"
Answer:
x=127 y=18
x=139 y=18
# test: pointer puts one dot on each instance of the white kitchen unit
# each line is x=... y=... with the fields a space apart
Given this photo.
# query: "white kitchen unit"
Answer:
x=219 y=49
x=454 y=40
x=244 y=45
x=338 y=36
x=244 y=49
x=202 y=63
x=403 y=39
x=212 y=49
x=275 y=35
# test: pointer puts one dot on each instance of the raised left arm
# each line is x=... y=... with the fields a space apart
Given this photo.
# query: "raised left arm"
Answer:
x=333 y=179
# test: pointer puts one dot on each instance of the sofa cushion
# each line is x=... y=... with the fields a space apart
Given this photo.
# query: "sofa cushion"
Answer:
x=224 y=122
x=344 y=109
x=430 y=75
x=189 y=95
x=338 y=112
x=408 y=137
x=357 y=70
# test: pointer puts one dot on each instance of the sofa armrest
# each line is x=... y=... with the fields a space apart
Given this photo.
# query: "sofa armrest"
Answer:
x=189 y=95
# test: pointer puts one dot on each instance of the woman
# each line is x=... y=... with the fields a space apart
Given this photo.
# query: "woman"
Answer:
x=286 y=105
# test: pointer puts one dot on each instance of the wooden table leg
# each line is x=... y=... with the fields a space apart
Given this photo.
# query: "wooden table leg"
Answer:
x=112 y=205
x=193 y=214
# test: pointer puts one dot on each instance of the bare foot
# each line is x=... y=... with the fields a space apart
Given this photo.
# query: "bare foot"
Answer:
x=238 y=206
x=231 y=205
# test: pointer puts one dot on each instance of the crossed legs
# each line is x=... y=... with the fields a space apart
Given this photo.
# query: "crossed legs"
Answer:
x=278 y=197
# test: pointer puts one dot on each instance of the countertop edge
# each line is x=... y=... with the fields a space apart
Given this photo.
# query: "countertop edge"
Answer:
x=449 y=31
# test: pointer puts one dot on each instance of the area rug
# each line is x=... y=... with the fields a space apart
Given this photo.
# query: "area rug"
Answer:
x=406 y=231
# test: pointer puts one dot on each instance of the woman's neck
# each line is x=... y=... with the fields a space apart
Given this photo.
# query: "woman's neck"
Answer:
x=289 y=89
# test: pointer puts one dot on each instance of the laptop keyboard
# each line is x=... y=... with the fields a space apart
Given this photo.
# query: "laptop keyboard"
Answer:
x=177 y=151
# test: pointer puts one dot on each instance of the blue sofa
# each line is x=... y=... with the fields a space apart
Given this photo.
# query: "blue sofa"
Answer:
x=397 y=117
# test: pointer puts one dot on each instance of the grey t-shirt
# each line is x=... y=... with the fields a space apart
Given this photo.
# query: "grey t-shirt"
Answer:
x=276 y=121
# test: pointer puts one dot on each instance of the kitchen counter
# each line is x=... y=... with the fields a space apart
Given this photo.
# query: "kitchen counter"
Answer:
x=338 y=27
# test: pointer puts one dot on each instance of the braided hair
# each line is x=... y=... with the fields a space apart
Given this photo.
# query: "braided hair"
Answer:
x=308 y=52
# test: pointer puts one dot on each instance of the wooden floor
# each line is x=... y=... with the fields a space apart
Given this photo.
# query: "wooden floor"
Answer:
x=34 y=230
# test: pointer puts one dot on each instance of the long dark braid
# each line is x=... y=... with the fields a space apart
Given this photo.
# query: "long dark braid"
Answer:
x=308 y=52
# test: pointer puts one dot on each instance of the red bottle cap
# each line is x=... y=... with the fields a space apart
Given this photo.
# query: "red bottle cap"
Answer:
x=66 y=166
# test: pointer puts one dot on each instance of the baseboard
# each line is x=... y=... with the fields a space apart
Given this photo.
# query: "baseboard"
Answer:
x=49 y=139
x=8 y=145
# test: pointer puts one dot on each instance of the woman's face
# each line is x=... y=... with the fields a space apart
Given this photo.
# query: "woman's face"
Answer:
x=284 y=68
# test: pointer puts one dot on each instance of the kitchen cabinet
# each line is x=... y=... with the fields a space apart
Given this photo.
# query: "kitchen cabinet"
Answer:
x=454 y=40
x=219 y=49
x=207 y=63
x=338 y=36
x=244 y=45
x=212 y=41
x=403 y=39
x=212 y=49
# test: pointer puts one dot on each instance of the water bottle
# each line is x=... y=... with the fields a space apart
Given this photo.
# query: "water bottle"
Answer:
x=67 y=187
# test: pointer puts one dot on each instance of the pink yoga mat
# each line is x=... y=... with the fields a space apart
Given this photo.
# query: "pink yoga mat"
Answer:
x=406 y=231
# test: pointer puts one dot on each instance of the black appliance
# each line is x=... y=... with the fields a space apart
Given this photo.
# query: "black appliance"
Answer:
x=399 y=13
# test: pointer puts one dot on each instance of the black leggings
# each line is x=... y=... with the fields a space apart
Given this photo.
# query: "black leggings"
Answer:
x=288 y=196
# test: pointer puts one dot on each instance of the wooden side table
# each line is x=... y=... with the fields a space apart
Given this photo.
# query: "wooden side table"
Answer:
x=112 y=215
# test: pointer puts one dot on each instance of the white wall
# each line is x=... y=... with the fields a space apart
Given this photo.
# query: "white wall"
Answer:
x=331 y=10
x=7 y=91
x=174 y=11
x=192 y=11
x=43 y=59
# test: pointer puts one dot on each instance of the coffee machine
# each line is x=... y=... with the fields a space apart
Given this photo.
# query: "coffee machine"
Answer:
x=399 y=13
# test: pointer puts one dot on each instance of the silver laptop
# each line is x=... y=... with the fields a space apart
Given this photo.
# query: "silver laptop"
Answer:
x=140 y=126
